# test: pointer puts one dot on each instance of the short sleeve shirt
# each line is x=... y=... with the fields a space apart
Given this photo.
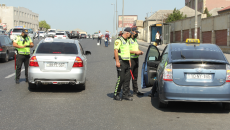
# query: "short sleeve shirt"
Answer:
x=117 y=44
x=19 y=38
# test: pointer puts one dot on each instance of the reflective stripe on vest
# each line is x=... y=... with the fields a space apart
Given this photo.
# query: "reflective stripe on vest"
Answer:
x=133 y=47
x=124 y=50
x=26 y=50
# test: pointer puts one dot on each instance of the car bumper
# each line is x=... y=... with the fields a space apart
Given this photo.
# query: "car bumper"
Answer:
x=35 y=75
x=172 y=92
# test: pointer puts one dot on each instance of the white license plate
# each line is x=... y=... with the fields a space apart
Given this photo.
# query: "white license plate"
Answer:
x=59 y=38
x=60 y=65
x=199 y=76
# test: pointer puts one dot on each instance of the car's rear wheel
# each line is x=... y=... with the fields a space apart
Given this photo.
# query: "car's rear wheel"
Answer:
x=161 y=104
x=6 y=59
x=226 y=106
x=32 y=86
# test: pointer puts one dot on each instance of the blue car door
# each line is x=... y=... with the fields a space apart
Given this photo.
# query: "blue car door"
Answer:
x=149 y=67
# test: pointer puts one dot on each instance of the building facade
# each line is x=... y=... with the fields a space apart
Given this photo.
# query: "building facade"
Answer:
x=18 y=16
x=210 y=4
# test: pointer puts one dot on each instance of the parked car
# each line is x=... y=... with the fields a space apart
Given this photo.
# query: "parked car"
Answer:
x=6 y=48
x=83 y=36
x=58 y=61
x=61 y=35
x=187 y=72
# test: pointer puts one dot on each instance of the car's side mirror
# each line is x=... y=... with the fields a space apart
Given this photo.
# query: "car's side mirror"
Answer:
x=87 y=53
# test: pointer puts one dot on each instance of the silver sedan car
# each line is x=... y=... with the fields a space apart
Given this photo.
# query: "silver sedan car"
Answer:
x=58 y=61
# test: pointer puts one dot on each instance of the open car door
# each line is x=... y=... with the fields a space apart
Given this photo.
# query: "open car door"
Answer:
x=149 y=67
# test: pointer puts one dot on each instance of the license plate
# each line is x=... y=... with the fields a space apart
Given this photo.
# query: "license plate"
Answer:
x=199 y=76
x=60 y=65
x=59 y=38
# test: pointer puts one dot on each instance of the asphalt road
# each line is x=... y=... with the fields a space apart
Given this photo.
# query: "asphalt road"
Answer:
x=67 y=108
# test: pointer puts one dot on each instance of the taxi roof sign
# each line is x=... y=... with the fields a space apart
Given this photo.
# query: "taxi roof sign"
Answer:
x=192 y=40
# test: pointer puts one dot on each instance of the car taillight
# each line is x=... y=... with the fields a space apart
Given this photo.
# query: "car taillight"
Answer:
x=167 y=76
x=78 y=62
x=1 y=49
x=34 y=62
x=11 y=32
x=227 y=73
x=55 y=36
x=64 y=36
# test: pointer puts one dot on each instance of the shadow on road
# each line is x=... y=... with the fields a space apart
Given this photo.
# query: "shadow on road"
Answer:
x=190 y=107
x=56 y=88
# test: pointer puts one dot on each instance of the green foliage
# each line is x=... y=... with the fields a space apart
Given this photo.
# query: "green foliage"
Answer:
x=207 y=12
x=43 y=24
x=176 y=15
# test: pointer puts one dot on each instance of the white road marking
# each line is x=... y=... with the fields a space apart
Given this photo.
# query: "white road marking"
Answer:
x=11 y=75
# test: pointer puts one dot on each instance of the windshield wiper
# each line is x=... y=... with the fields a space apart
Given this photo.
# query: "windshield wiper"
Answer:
x=182 y=56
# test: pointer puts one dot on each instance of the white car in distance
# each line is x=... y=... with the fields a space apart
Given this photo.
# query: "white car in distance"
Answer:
x=61 y=35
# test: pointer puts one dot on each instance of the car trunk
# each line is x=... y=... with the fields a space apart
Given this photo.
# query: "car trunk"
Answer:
x=199 y=74
x=55 y=62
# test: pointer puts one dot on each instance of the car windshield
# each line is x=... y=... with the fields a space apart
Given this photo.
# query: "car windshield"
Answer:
x=57 y=48
x=51 y=30
x=17 y=30
x=198 y=54
x=83 y=34
x=60 y=34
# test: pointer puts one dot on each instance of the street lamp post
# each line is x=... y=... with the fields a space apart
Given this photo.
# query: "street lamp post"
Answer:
x=195 y=19
x=113 y=20
x=123 y=16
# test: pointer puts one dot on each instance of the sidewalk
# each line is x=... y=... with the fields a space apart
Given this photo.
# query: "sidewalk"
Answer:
x=161 y=48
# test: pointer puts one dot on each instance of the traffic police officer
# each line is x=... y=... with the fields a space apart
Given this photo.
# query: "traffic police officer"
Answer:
x=23 y=43
x=123 y=64
x=134 y=54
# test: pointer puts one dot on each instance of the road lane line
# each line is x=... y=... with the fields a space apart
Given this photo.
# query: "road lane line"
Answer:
x=11 y=75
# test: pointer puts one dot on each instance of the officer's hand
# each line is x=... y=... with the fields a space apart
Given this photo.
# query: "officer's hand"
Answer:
x=118 y=64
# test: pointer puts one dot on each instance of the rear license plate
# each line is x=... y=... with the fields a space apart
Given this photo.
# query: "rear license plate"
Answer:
x=59 y=38
x=60 y=65
x=199 y=76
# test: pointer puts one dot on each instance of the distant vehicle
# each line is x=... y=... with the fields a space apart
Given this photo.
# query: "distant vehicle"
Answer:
x=187 y=72
x=3 y=26
x=68 y=33
x=58 y=61
x=83 y=36
x=51 y=33
x=41 y=34
x=31 y=33
x=89 y=36
x=61 y=35
x=2 y=32
x=16 y=32
x=75 y=34
x=6 y=48
x=95 y=35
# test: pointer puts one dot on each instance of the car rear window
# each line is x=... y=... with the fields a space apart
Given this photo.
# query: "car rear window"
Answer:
x=60 y=34
x=51 y=30
x=197 y=54
x=17 y=30
x=57 y=48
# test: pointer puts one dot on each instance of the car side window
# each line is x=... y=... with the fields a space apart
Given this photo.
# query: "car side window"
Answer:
x=2 y=40
x=6 y=41
x=153 y=54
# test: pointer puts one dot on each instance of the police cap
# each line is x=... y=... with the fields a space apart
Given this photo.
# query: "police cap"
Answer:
x=128 y=29
x=135 y=29
x=25 y=31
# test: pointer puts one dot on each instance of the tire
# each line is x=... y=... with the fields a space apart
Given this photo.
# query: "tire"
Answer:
x=226 y=106
x=162 y=105
x=32 y=86
x=6 y=59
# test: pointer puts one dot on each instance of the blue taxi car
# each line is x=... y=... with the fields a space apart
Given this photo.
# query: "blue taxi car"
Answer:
x=188 y=72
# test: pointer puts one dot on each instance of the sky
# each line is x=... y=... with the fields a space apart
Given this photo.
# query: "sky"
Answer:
x=91 y=15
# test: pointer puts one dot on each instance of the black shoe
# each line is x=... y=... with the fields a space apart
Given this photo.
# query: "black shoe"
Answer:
x=130 y=94
x=117 y=98
x=138 y=93
x=127 y=98
x=17 y=81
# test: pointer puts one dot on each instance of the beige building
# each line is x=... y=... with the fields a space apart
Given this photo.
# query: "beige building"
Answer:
x=18 y=16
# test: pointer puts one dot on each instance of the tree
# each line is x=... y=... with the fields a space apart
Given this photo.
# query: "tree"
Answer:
x=176 y=15
x=43 y=24
x=207 y=12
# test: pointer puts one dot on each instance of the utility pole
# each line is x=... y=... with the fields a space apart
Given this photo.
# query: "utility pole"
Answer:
x=123 y=16
x=116 y=19
x=195 y=19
